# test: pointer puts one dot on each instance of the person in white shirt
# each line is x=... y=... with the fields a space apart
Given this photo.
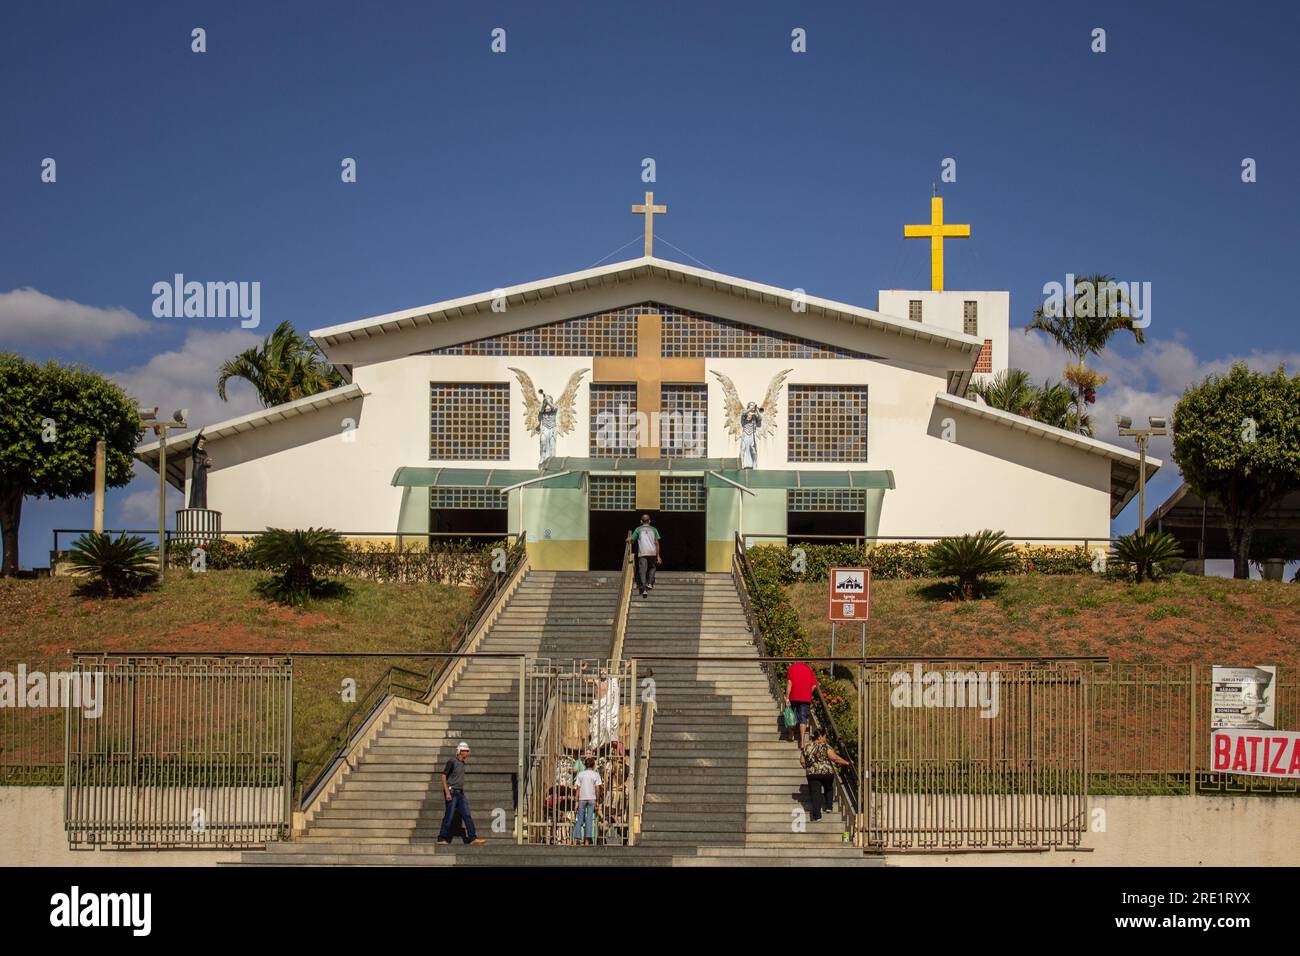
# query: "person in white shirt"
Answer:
x=590 y=789
x=646 y=541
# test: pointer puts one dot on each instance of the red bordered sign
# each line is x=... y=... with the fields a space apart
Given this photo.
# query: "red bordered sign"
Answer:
x=850 y=594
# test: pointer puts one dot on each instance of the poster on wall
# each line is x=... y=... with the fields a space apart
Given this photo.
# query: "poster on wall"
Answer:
x=1244 y=697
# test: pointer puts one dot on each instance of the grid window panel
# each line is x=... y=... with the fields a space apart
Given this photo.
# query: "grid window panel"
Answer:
x=694 y=335
x=610 y=333
x=469 y=421
x=826 y=499
x=827 y=423
x=683 y=421
x=681 y=493
x=479 y=499
x=611 y=492
x=970 y=318
x=914 y=310
x=613 y=420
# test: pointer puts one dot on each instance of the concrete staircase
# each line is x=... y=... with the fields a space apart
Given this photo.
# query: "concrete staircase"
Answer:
x=721 y=778
x=722 y=784
x=394 y=795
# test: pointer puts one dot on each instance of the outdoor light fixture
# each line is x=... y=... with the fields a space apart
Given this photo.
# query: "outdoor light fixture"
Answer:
x=1126 y=429
x=149 y=418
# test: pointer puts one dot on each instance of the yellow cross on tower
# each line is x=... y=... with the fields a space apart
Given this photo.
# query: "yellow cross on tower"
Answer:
x=648 y=210
x=937 y=232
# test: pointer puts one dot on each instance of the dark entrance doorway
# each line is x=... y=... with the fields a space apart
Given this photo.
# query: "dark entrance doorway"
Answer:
x=469 y=520
x=844 y=526
x=683 y=538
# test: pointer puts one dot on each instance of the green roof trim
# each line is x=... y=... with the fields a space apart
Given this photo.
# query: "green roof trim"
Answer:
x=666 y=465
x=762 y=478
x=409 y=477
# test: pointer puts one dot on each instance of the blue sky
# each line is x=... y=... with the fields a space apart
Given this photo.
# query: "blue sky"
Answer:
x=478 y=170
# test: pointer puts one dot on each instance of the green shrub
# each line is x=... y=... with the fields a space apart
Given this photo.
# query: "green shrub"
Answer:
x=117 y=567
x=971 y=558
x=1151 y=555
x=296 y=555
x=904 y=560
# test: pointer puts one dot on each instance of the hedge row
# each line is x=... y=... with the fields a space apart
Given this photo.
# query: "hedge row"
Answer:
x=467 y=563
x=784 y=636
x=899 y=559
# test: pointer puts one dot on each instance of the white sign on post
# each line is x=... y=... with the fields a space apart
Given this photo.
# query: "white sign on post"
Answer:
x=1244 y=697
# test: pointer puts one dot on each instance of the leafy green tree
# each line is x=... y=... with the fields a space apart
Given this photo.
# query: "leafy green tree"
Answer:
x=1237 y=438
x=1084 y=327
x=51 y=415
x=285 y=367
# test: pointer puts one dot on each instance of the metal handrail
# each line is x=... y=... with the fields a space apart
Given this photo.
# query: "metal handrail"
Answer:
x=342 y=739
x=846 y=777
x=619 y=630
x=642 y=771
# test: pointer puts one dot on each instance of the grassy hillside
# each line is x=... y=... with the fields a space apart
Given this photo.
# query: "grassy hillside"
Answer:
x=1179 y=620
x=42 y=620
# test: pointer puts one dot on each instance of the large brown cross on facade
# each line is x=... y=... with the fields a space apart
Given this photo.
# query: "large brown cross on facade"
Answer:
x=649 y=369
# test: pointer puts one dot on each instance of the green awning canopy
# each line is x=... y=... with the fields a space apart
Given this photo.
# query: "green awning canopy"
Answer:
x=763 y=478
x=642 y=464
x=408 y=477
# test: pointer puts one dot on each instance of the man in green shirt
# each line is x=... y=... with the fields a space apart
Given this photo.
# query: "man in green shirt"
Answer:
x=647 y=549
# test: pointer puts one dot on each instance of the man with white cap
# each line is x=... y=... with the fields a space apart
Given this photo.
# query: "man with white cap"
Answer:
x=453 y=790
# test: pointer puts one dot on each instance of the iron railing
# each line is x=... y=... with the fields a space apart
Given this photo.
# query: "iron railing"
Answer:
x=758 y=617
x=183 y=751
x=32 y=729
x=574 y=710
x=314 y=775
x=619 y=629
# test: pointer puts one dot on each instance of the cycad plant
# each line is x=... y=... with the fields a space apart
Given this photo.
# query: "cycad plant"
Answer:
x=1146 y=555
x=296 y=555
x=971 y=557
x=117 y=567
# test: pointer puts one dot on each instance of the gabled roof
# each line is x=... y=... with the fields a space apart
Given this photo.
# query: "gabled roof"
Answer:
x=178 y=446
x=1124 y=463
x=966 y=347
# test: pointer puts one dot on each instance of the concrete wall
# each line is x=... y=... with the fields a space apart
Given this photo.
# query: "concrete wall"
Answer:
x=947 y=310
x=311 y=471
x=1161 y=831
x=31 y=834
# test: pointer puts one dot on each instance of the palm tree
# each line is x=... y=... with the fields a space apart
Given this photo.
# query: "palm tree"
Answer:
x=1050 y=403
x=285 y=367
x=1010 y=390
x=1083 y=327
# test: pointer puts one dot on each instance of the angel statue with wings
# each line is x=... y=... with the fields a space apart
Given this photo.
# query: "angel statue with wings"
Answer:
x=546 y=417
x=750 y=422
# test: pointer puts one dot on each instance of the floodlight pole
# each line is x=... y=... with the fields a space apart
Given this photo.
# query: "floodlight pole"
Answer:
x=1143 y=435
x=160 y=427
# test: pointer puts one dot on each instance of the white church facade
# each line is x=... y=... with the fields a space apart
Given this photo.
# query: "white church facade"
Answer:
x=648 y=369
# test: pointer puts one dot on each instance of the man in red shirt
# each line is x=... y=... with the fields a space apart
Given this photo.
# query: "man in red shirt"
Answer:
x=799 y=683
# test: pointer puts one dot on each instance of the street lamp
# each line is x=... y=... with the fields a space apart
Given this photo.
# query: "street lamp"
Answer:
x=149 y=418
x=1158 y=426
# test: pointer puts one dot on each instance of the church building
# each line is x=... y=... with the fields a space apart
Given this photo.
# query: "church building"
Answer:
x=570 y=406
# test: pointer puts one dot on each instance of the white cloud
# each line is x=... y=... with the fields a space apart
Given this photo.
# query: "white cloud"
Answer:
x=32 y=319
x=187 y=378
x=1144 y=380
